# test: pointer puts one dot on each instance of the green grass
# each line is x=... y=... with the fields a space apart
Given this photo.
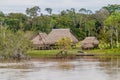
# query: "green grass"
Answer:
x=48 y=53
x=106 y=54
x=115 y=51
x=72 y=52
x=43 y=53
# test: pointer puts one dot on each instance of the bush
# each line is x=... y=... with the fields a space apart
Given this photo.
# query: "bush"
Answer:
x=12 y=43
x=104 y=45
x=64 y=43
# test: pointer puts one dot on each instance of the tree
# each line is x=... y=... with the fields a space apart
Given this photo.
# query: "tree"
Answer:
x=63 y=12
x=21 y=18
x=49 y=10
x=89 y=12
x=33 y=12
x=112 y=8
x=101 y=15
x=13 y=24
x=90 y=27
x=64 y=43
x=41 y=24
x=83 y=10
x=12 y=44
x=73 y=10
x=2 y=14
x=113 y=21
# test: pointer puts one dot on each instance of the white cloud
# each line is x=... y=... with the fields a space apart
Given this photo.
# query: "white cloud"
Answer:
x=21 y=5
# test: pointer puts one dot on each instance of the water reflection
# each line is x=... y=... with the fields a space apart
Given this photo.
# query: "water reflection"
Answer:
x=84 y=68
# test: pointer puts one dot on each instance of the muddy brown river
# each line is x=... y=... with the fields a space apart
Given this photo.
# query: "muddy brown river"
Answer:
x=77 y=69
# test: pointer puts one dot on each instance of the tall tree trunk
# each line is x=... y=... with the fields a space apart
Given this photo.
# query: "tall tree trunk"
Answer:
x=111 y=38
x=116 y=33
x=89 y=33
x=111 y=41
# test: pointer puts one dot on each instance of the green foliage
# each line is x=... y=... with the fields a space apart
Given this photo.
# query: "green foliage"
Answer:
x=90 y=27
x=41 y=24
x=85 y=11
x=64 y=43
x=80 y=24
x=113 y=19
x=43 y=53
x=1 y=14
x=50 y=53
x=113 y=23
x=49 y=10
x=112 y=52
x=112 y=8
x=13 y=24
x=13 y=43
x=104 y=36
x=78 y=45
x=101 y=15
x=33 y=12
x=103 y=24
x=104 y=45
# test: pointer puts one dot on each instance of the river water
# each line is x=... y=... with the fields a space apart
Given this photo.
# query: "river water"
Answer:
x=85 y=68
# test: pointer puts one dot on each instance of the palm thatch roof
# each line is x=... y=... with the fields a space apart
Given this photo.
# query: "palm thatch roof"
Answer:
x=89 y=43
x=57 y=34
x=40 y=39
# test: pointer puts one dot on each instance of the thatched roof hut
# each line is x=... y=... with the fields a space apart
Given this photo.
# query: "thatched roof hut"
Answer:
x=57 y=34
x=89 y=43
x=39 y=41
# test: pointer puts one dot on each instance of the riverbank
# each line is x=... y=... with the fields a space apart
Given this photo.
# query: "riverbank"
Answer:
x=52 y=54
x=72 y=53
x=115 y=51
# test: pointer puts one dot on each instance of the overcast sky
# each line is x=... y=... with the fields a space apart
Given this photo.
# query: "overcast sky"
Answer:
x=8 y=6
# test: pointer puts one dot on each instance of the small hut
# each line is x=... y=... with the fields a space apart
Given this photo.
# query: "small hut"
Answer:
x=39 y=42
x=89 y=43
x=57 y=34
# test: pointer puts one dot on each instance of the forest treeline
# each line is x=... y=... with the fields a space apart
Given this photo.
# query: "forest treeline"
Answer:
x=104 y=23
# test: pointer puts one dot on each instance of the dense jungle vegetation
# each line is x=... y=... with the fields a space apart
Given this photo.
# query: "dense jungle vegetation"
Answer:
x=104 y=23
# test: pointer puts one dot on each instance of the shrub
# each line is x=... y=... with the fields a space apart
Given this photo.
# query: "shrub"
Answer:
x=64 y=43
x=12 y=43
